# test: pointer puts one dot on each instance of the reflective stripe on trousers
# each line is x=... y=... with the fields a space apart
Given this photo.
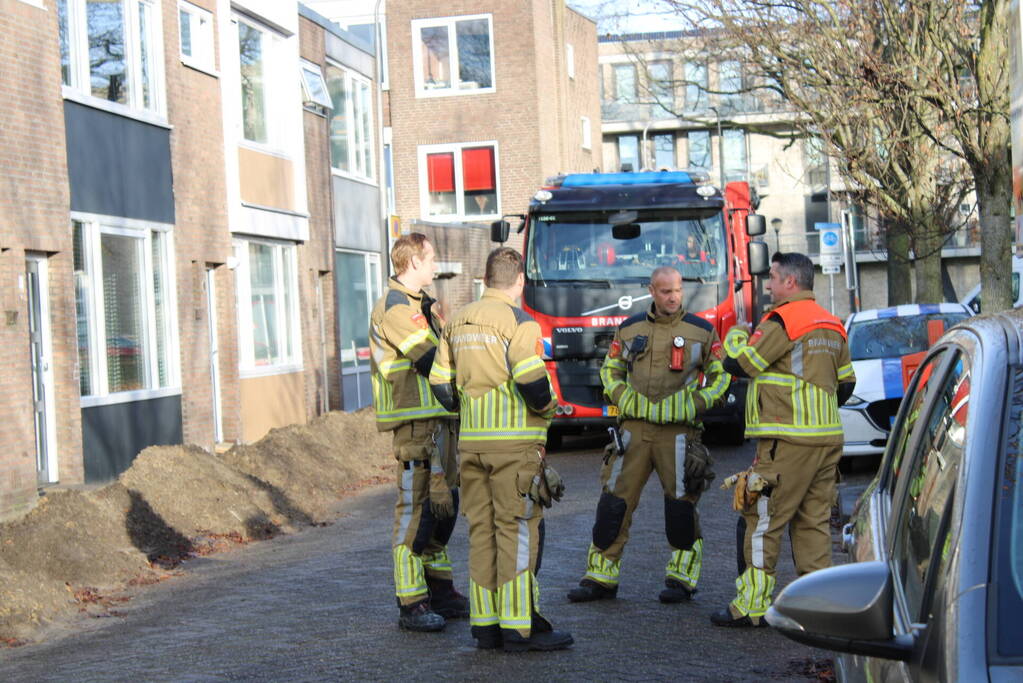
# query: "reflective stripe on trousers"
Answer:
x=754 y=588
x=600 y=569
x=686 y=565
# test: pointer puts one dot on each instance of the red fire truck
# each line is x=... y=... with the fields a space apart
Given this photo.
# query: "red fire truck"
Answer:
x=591 y=243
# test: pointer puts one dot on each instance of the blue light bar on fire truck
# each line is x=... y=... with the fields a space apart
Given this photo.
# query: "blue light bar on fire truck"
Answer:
x=643 y=178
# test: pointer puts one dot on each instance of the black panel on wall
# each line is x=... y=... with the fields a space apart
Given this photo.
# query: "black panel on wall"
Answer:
x=113 y=435
x=118 y=166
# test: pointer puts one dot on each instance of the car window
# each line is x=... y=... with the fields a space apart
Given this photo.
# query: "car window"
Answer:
x=902 y=431
x=926 y=489
x=1008 y=565
x=896 y=336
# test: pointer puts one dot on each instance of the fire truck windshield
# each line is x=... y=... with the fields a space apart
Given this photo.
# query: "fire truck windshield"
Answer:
x=579 y=247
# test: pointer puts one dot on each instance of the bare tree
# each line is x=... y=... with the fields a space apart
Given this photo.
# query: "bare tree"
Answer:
x=858 y=71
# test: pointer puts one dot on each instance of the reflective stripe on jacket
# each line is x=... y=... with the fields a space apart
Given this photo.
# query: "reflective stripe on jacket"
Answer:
x=402 y=330
x=637 y=374
x=797 y=357
x=490 y=350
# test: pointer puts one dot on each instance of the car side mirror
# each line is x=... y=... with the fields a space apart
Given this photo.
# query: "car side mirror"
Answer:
x=757 y=257
x=755 y=225
x=499 y=231
x=849 y=608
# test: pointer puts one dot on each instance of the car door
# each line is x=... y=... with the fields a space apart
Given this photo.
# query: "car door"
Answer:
x=913 y=503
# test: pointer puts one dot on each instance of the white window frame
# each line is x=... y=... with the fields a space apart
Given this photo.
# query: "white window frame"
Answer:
x=456 y=149
x=570 y=60
x=309 y=70
x=202 y=33
x=79 y=88
x=417 y=56
x=287 y=326
x=363 y=169
x=587 y=132
x=276 y=94
x=93 y=228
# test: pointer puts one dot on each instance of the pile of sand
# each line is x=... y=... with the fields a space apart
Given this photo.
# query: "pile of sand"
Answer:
x=82 y=551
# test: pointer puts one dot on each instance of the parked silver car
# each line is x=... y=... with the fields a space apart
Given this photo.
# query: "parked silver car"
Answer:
x=935 y=590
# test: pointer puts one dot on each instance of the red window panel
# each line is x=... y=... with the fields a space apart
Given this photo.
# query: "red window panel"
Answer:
x=478 y=168
x=440 y=169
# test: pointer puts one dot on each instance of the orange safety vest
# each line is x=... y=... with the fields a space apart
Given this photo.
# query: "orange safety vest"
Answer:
x=800 y=317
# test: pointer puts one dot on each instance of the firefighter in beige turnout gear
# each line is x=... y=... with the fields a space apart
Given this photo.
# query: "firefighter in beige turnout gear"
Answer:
x=403 y=333
x=488 y=365
x=799 y=362
x=662 y=371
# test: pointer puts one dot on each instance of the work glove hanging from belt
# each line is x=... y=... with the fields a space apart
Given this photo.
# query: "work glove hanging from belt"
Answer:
x=442 y=504
x=748 y=487
x=697 y=474
x=547 y=486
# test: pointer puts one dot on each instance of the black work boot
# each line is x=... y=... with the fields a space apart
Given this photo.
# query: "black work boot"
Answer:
x=446 y=601
x=539 y=641
x=419 y=617
x=676 y=591
x=726 y=618
x=487 y=637
x=589 y=590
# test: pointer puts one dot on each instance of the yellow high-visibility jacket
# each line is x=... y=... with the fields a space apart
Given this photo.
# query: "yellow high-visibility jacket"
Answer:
x=403 y=332
x=489 y=356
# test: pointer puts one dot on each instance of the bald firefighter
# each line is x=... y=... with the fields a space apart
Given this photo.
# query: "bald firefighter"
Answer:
x=799 y=362
x=403 y=335
x=662 y=371
x=489 y=366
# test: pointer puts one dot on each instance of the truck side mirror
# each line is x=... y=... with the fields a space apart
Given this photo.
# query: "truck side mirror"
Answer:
x=625 y=231
x=759 y=262
x=499 y=231
x=755 y=225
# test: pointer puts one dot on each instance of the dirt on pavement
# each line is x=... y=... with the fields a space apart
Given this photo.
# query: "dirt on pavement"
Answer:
x=81 y=553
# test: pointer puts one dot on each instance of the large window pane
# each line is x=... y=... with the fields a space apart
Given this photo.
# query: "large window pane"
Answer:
x=664 y=151
x=288 y=294
x=161 y=303
x=661 y=87
x=735 y=155
x=185 y=32
x=699 y=149
x=473 y=40
x=353 y=294
x=365 y=130
x=730 y=83
x=628 y=153
x=436 y=57
x=146 y=54
x=337 y=86
x=65 y=43
x=625 y=83
x=266 y=349
x=82 y=293
x=251 y=55
x=107 y=64
x=696 y=85
x=123 y=313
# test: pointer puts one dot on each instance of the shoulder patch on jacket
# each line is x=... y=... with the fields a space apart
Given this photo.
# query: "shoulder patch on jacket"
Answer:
x=520 y=315
x=395 y=298
x=632 y=320
x=697 y=321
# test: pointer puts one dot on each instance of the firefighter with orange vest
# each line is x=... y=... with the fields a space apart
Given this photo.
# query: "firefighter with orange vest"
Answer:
x=798 y=360
x=403 y=334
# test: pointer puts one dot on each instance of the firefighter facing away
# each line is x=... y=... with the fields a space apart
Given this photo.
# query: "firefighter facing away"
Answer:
x=489 y=367
x=799 y=362
x=403 y=335
x=662 y=371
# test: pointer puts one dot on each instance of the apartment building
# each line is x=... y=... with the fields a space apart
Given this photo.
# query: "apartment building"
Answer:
x=668 y=101
x=168 y=235
x=482 y=102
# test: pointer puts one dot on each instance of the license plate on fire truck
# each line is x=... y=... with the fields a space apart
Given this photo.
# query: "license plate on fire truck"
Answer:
x=611 y=411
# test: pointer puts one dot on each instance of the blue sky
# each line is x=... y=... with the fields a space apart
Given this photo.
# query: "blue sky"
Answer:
x=628 y=16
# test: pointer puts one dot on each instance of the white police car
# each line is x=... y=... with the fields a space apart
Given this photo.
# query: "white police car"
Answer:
x=879 y=342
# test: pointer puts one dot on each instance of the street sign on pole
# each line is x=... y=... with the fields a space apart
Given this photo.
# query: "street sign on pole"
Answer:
x=831 y=270
x=831 y=246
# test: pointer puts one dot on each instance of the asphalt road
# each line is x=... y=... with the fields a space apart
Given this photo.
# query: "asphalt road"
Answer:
x=319 y=606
